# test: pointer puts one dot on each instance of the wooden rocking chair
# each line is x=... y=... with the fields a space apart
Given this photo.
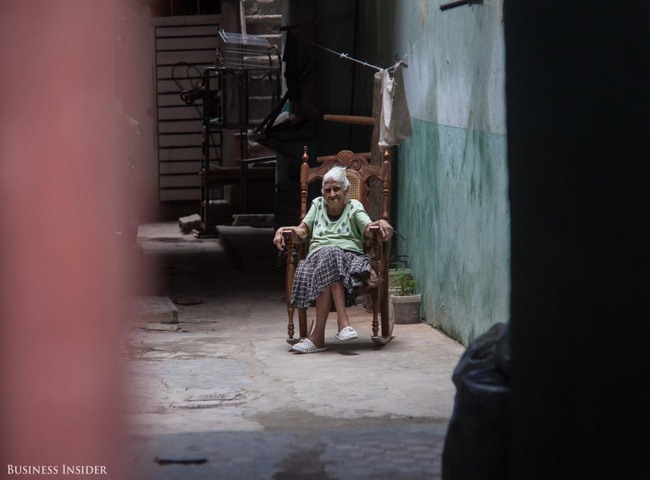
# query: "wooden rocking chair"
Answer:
x=359 y=172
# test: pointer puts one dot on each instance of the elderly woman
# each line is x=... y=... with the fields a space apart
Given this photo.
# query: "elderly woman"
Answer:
x=336 y=228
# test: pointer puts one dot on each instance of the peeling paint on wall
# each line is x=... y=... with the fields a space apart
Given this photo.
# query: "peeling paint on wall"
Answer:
x=453 y=211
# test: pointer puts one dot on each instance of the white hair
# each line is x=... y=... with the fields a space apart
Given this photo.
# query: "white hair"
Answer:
x=337 y=174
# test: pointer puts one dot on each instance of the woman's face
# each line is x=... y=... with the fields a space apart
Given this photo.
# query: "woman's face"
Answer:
x=334 y=196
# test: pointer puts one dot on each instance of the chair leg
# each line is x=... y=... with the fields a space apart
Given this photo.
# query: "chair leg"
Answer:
x=374 y=297
x=291 y=268
x=386 y=323
x=290 y=326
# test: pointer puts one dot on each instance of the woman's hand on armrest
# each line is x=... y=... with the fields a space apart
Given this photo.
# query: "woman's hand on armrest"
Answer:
x=382 y=227
x=298 y=234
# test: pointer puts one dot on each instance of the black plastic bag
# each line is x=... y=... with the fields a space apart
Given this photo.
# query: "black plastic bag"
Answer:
x=477 y=442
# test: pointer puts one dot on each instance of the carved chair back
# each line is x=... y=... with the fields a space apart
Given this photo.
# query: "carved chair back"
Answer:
x=361 y=175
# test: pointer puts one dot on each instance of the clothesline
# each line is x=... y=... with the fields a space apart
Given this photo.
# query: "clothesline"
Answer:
x=348 y=57
x=394 y=119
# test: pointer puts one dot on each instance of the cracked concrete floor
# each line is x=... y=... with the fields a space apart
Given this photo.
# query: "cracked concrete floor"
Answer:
x=223 y=398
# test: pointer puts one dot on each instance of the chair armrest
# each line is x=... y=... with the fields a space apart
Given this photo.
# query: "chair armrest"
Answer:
x=291 y=237
x=375 y=245
x=374 y=231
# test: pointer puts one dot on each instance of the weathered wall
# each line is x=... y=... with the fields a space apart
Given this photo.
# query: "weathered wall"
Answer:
x=453 y=212
x=451 y=175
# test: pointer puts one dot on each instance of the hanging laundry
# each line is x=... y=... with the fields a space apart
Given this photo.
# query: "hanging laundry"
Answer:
x=292 y=69
x=395 y=119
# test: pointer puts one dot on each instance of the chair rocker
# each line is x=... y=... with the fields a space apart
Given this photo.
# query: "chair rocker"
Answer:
x=360 y=173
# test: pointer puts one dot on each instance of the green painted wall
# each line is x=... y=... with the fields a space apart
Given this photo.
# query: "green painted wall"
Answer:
x=451 y=178
x=452 y=209
x=452 y=182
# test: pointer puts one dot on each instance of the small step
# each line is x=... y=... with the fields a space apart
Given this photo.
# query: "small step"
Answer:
x=151 y=309
x=253 y=220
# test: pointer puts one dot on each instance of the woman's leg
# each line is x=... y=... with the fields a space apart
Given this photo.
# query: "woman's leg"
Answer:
x=332 y=293
x=338 y=297
x=323 y=306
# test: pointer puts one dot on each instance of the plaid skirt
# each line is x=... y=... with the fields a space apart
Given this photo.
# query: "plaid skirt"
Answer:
x=324 y=267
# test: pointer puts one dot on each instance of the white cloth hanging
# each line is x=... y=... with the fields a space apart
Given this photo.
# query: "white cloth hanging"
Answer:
x=395 y=119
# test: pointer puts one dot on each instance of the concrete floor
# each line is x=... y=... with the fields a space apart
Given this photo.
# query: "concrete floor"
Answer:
x=221 y=397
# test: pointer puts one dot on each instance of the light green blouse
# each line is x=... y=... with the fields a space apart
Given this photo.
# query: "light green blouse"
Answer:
x=345 y=232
